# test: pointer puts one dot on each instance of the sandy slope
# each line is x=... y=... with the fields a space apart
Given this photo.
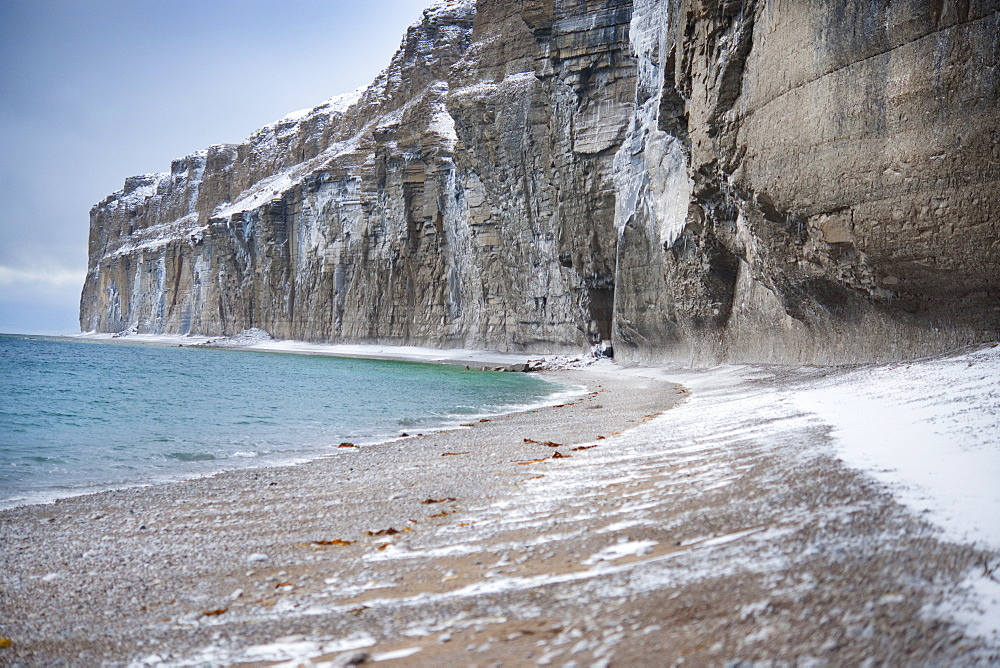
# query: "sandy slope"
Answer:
x=716 y=521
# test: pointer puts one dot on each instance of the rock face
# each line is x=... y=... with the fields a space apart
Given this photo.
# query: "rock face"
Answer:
x=690 y=178
x=464 y=199
x=810 y=180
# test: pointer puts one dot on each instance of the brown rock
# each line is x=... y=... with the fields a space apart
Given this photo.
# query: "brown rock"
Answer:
x=692 y=180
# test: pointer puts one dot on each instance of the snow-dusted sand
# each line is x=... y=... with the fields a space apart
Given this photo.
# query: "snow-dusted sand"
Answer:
x=731 y=514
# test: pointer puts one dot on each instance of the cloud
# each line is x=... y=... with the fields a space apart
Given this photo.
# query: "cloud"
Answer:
x=42 y=299
x=49 y=278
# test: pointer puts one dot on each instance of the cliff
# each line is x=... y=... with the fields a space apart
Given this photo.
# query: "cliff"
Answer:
x=692 y=179
x=810 y=180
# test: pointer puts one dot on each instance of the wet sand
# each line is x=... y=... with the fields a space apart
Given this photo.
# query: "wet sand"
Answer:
x=630 y=526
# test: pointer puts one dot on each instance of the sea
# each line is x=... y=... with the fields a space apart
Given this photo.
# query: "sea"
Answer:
x=80 y=416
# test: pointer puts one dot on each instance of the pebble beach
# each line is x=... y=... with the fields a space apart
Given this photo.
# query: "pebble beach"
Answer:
x=660 y=516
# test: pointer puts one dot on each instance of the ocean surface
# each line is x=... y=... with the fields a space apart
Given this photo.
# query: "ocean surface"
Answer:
x=78 y=416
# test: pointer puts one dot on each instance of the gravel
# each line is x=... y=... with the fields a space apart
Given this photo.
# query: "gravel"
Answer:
x=662 y=534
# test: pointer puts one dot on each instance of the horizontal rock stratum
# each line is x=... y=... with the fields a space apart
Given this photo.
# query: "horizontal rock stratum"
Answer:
x=693 y=179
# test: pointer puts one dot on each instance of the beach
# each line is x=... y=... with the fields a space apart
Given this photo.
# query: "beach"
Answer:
x=661 y=516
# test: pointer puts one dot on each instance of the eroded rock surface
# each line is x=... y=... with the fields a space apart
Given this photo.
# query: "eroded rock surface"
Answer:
x=464 y=199
x=809 y=180
x=692 y=179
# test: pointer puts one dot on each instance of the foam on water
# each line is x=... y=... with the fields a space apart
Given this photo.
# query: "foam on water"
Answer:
x=78 y=416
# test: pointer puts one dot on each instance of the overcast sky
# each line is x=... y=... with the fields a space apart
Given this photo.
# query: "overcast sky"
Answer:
x=93 y=91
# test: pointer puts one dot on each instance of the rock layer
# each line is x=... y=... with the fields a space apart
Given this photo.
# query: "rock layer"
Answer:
x=692 y=178
x=810 y=180
x=464 y=199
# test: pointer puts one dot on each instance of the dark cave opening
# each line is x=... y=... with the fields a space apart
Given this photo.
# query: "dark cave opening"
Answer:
x=602 y=303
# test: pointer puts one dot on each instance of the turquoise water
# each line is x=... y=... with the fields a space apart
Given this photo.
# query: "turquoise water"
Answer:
x=79 y=416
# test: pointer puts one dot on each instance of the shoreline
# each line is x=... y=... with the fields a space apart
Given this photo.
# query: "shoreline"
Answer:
x=148 y=511
x=567 y=394
x=484 y=360
x=715 y=521
x=490 y=361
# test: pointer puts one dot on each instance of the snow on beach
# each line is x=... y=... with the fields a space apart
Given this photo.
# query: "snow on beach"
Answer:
x=931 y=431
x=930 y=428
x=927 y=429
x=735 y=419
x=790 y=495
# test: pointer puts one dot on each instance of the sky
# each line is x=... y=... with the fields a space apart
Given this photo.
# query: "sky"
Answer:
x=93 y=91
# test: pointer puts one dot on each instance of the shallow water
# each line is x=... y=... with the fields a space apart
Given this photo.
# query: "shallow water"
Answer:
x=80 y=416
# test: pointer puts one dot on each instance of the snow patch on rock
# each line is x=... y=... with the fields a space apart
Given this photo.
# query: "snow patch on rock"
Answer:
x=651 y=176
x=245 y=339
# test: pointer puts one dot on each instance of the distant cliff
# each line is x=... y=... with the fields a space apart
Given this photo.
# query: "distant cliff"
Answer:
x=783 y=181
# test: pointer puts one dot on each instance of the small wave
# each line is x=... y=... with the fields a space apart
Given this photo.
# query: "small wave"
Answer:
x=191 y=456
x=245 y=454
x=45 y=460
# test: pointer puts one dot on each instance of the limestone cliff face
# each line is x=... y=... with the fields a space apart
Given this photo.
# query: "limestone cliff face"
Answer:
x=692 y=178
x=810 y=180
x=464 y=199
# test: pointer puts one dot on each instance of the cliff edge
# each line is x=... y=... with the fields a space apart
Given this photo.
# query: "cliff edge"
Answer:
x=691 y=179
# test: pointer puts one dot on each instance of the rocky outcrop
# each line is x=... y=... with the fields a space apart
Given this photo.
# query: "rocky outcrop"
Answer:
x=810 y=181
x=695 y=179
x=464 y=199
